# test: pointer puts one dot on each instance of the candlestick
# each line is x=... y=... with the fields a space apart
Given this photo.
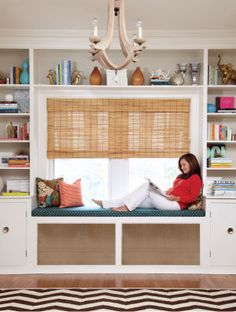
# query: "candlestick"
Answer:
x=95 y=27
x=140 y=30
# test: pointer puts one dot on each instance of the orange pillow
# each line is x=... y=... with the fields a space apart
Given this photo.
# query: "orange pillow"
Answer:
x=70 y=194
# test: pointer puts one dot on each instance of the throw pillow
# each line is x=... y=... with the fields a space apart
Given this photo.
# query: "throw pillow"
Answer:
x=198 y=204
x=48 y=192
x=70 y=194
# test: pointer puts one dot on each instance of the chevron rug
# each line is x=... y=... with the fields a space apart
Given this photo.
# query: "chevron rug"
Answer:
x=117 y=299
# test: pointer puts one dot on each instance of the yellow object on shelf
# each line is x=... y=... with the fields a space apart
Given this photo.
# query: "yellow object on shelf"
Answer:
x=15 y=194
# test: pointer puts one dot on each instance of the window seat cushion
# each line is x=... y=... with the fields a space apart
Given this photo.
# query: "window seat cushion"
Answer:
x=90 y=211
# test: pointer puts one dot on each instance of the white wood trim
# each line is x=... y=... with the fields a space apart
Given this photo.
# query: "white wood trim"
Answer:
x=79 y=39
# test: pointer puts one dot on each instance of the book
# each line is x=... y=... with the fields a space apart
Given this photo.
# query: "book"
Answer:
x=15 y=194
x=154 y=188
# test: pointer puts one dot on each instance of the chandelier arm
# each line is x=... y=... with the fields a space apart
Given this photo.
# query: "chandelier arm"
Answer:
x=130 y=49
x=106 y=41
x=103 y=59
x=125 y=43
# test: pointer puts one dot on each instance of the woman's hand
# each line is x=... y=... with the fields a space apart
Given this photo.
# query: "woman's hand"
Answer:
x=169 y=191
x=173 y=198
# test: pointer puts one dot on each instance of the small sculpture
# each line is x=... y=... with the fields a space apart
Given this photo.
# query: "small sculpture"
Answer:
x=76 y=77
x=24 y=76
x=177 y=78
x=11 y=131
x=229 y=74
x=52 y=76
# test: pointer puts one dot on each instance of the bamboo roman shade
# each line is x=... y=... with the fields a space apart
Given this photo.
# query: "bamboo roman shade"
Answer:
x=117 y=128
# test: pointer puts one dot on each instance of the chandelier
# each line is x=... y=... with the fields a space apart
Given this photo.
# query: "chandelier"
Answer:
x=99 y=45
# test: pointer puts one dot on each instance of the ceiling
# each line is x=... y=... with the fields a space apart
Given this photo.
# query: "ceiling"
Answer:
x=155 y=14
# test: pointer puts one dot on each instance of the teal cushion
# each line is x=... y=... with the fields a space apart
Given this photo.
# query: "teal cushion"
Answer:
x=88 y=211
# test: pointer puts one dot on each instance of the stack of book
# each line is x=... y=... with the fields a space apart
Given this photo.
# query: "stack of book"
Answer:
x=224 y=188
x=8 y=107
x=220 y=162
x=159 y=77
x=18 y=161
x=15 y=75
x=24 y=131
x=220 y=132
x=63 y=72
x=18 y=186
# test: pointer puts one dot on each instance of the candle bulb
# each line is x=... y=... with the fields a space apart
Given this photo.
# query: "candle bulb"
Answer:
x=140 y=30
x=95 y=27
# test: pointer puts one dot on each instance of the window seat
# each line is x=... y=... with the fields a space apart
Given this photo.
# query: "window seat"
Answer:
x=92 y=211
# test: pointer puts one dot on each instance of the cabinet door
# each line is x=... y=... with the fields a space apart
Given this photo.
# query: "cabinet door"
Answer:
x=12 y=233
x=223 y=233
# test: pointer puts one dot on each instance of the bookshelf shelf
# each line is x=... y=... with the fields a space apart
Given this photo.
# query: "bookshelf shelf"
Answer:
x=14 y=141
x=14 y=86
x=16 y=197
x=221 y=142
x=222 y=114
x=219 y=197
x=15 y=168
x=222 y=169
x=104 y=87
x=3 y=115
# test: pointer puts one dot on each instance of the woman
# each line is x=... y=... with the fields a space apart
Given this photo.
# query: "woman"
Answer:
x=185 y=190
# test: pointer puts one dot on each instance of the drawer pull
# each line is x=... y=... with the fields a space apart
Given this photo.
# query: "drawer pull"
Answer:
x=5 y=230
x=230 y=230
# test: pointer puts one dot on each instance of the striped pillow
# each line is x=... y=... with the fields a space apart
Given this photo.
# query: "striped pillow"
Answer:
x=70 y=194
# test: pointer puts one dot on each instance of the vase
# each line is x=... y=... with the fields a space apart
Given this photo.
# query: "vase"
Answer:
x=24 y=76
x=137 y=78
x=188 y=75
x=95 y=77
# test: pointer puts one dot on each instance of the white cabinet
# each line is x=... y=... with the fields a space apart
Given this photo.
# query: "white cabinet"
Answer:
x=13 y=232
x=223 y=232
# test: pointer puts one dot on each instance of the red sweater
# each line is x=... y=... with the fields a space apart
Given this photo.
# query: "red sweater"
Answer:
x=187 y=189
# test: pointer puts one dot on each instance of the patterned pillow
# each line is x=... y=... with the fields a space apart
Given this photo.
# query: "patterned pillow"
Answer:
x=198 y=204
x=48 y=192
x=70 y=194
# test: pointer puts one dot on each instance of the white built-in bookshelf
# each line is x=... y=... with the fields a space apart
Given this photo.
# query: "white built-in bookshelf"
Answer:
x=46 y=56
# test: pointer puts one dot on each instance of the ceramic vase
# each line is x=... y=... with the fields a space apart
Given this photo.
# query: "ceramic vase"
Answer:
x=95 y=77
x=137 y=78
x=24 y=76
x=188 y=75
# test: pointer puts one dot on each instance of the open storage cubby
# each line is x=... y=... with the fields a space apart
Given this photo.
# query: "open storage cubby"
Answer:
x=161 y=244
x=76 y=244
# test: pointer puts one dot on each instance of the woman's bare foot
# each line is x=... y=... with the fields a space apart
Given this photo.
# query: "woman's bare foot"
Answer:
x=121 y=208
x=98 y=202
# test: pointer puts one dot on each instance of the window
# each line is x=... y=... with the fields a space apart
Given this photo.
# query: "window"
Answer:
x=162 y=171
x=93 y=174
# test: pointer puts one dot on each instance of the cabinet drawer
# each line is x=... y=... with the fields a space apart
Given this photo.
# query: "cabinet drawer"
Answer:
x=223 y=233
x=12 y=233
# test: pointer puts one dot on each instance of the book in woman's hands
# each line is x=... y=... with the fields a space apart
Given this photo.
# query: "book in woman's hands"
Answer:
x=154 y=188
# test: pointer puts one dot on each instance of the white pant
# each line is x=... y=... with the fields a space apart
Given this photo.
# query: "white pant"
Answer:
x=144 y=198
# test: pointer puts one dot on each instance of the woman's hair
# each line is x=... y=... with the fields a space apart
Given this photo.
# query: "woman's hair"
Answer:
x=193 y=163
